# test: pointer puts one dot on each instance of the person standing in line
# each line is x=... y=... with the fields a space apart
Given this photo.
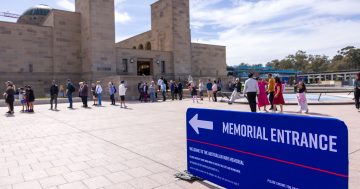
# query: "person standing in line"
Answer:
x=180 y=89
x=62 y=91
x=112 y=92
x=172 y=90
x=236 y=91
x=271 y=90
x=152 y=91
x=250 y=90
x=201 y=89
x=357 y=91
x=9 y=96
x=194 y=94
x=22 y=98
x=85 y=93
x=163 y=91
x=81 y=85
x=54 y=91
x=262 y=97
x=99 y=91
x=31 y=99
x=301 y=96
x=214 y=90
x=278 y=98
x=140 y=89
x=70 y=89
x=145 y=89
x=160 y=82
x=93 y=92
x=122 y=93
x=209 y=89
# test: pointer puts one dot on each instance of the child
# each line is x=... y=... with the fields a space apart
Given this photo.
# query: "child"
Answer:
x=22 y=98
x=301 y=96
x=122 y=92
x=30 y=98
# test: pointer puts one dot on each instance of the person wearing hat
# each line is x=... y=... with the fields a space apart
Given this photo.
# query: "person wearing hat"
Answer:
x=357 y=91
x=251 y=89
x=237 y=90
x=98 y=91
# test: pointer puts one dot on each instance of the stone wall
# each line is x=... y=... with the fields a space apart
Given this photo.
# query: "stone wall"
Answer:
x=66 y=41
x=136 y=41
x=98 y=36
x=208 y=60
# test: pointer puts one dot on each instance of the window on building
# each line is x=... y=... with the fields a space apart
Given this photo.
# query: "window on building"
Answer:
x=148 y=46
x=30 y=68
x=134 y=47
x=125 y=65
x=141 y=47
x=162 y=67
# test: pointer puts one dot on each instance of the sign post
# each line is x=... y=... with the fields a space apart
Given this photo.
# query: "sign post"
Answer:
x=258 y=151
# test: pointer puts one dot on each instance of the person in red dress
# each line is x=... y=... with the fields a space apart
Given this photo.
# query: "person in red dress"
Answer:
x=278 y=98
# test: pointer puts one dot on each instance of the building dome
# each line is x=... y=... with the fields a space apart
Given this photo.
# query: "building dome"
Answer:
x=35 y=15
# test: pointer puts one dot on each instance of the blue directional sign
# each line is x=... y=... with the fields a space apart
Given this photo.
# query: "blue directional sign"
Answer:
x=261 y=151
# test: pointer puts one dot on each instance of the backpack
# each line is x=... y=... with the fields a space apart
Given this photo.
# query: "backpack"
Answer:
x=72 y=88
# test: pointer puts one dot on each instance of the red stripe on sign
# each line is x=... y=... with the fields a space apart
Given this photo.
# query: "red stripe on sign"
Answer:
x=271 y=158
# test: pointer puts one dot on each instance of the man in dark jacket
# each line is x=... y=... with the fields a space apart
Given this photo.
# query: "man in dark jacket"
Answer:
x=54 y=91
x=70 y=89
x=84 y=94
x=180 y=90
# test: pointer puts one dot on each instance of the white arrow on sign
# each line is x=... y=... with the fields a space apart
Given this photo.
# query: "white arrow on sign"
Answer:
x=197 y=124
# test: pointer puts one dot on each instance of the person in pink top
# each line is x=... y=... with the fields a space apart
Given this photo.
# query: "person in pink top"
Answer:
x=262 y=96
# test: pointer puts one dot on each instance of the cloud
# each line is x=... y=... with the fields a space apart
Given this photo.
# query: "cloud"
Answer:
x=66 y=4
x=259 y=31
x=121 y=17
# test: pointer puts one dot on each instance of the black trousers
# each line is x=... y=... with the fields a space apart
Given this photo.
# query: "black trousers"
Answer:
x=53 y=100
x=112 y=98
x=84 y=100
x=214 y=94
x=180 y=95
x=11 y=105
x=357 y=98
x=271 y=98
x=164 y=95
x=251 y=96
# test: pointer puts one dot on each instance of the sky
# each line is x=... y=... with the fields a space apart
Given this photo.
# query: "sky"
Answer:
x=254 y=31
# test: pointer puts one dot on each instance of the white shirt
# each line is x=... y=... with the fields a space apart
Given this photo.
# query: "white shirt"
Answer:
x=251 y=85
x=122 y=90
x=160 y=82
x=98 y=89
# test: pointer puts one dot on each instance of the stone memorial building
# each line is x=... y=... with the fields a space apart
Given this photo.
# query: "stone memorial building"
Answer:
x=47 y=44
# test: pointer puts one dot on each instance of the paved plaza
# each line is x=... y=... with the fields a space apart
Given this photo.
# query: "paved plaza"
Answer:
x=108 y=147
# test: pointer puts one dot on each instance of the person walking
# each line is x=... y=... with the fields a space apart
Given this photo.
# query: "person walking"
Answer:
x=250 y=90
x=214 y=90
x=236 y=91
x=99 y=91
x=122 y=93
x=262 y=97
x=301 y=96
x=54 y=92
x=180 y=90
x=357 y=91
x=172 y=89
x=70 y=89
x=112 y=92
x=278 y=97
x=209 y=89
x=9 y=96
x=152 y=91
x=163 y=91
x=271 y=90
